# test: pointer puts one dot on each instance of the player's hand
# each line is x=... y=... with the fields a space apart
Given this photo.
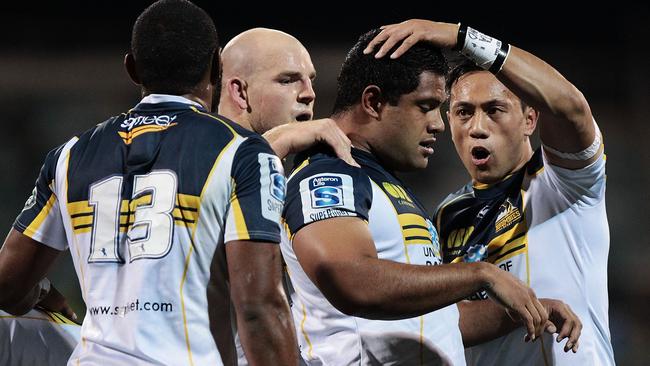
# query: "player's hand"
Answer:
x=519 y=300
x=55 y=301
x=298 y=136
x=563 y=318
x=410 y=32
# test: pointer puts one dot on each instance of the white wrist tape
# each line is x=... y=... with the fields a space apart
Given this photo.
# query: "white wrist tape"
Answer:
x=585 y=154
x=45 y=286
x=487 y=52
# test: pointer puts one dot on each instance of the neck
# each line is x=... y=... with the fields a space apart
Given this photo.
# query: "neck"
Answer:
x=350 y=125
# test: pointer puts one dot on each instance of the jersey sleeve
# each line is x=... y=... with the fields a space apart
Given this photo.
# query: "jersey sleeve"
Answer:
x=326 y=189
x=586 y=184
x=41 y=217
x=257 y=196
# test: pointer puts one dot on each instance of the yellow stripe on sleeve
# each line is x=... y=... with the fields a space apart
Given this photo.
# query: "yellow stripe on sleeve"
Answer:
x=32 y=229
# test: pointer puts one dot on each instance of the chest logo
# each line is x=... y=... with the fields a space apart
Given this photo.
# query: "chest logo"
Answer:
x=508 y=215
x=398 y=193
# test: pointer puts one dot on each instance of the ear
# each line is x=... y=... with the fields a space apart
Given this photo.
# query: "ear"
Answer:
x=129 y=64
x=530 y=120
x=238 y=92
x=372 y=101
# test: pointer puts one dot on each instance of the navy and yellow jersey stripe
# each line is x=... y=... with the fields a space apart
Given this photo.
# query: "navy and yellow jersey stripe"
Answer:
x=38 y=213
x=486 y=222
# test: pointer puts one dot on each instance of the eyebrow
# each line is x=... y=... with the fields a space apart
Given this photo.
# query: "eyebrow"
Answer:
x=295 y=74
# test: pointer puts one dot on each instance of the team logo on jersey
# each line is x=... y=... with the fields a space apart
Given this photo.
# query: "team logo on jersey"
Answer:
x=31 y=201
x=475 y=253
x=326 y=191
x=508 y=215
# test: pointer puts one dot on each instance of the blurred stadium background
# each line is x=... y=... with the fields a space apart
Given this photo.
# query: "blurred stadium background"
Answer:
x=61 y=72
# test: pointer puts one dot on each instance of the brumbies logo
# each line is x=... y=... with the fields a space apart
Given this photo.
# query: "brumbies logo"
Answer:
x=508 y=215
x=326 y=191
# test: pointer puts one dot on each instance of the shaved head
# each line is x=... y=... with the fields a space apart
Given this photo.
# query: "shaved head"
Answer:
x=267 y=77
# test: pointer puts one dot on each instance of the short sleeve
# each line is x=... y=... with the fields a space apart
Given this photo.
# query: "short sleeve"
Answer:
x=326 y=189
x=258 y=192
x=586 y=184
x=41 y=217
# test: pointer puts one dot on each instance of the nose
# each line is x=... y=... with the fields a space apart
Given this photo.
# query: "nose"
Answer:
x=307 y=94
x=436 y=125
x=478 y=126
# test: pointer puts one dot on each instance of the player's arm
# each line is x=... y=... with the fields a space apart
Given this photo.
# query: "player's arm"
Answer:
x=263 y=317
x=252 y=234
x=295 y=137
x=23 y=265
x=340 y=258
x=566 y=123
x=483 y=321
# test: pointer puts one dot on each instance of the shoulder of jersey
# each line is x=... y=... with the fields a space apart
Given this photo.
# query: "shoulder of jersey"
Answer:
x=320 y=160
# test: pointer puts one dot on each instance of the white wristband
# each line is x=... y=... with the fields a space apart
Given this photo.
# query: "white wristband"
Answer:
x=585 y=154
x=487 y=52
x=45 y=286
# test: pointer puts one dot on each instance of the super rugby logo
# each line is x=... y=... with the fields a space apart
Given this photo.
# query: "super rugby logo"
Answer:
x=326 y=191
x=278 y=182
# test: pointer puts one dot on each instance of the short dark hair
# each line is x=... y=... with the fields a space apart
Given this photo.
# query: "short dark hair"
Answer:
x=395 y=77
x=466 y=67
x=173 y=42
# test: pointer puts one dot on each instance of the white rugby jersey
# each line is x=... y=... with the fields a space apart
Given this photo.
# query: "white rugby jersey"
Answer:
x=324 y=187
x=39 y=337
x=146 y=202
x=547 y=226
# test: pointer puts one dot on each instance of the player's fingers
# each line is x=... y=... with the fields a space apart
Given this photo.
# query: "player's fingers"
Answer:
x=527 y=318
x=550 y=327
x=340 y=143
x=574 y=336
x=543 y=315
x=381 y=37
x=406 y=44
x=536 y=319
x=390 y=42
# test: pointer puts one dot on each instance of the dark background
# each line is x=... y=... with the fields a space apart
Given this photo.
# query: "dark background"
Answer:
x=61 y=73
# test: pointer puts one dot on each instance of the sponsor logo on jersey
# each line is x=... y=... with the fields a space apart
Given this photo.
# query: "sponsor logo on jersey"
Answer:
x=326 y=191
x=475 y=253
x=399 y=193
x=31 y=201
x=136 y=126
x=508 y=215
x=135 y=121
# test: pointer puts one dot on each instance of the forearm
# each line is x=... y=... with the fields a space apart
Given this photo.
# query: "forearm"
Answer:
x=276 y=137
x=19 y=303
x=390 y=290
x=266 y=333
x=482 y=321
